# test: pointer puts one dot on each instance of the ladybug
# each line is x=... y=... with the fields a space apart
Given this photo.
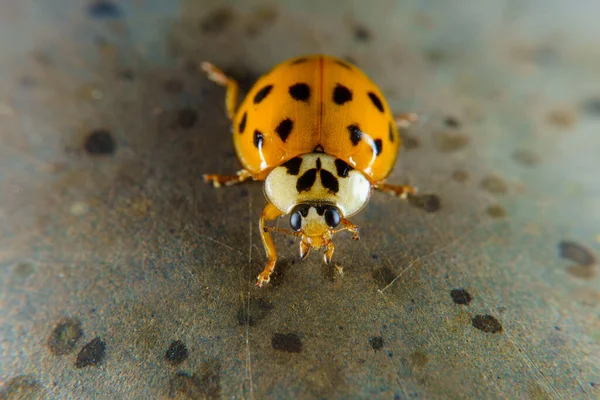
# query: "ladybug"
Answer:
x=321 y=136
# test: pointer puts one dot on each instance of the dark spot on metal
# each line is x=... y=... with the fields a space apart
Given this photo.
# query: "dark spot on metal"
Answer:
x=410 y=142
x=258 y=139
x=448 y=142
x=244 y=193
x=293 y=165
x=460 y=296
x=91 y=354
x=262 y=93
x=126 y=74
x=582 y=271
x=253 y=312
x=329 y=181
x=486 y=323
x=187 y=118
x=418 y=360
x=307 y=180
x=460 y=176
x=176 y=353
x=284 y=129
x=217 y=21
x=576 y=253
x=100 y=142
x=341 y=94
x=496 y=211
x=526 y=157
x=378 y=146
x=383 y=276
x=342 y=168
x=173 y=85
x=428 y=202
x=592 y=106
x=64 y=337
x=376 y=101
x=300 y=91
x=362 y=33
x=355 y=134
x=204 y=384
x=289 y=342
x=103 y=9
x=452 y=122
x=376 y=342
x=242 y=125
x=494 y=184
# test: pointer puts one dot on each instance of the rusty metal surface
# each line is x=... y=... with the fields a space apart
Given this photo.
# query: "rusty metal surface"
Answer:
x=124 y=276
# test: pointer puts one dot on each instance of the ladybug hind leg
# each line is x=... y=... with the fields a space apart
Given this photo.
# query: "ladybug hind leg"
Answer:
x=228 y=180
x=232 y=87
x=402 y=191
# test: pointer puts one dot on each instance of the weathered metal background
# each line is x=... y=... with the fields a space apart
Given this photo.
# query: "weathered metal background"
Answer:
x=124 y=276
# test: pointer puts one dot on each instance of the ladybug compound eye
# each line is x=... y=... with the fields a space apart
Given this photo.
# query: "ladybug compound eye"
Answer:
x=296 y=220
x=332 y=217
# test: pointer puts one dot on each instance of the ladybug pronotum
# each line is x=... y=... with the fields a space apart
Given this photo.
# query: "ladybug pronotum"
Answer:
x=320 y=135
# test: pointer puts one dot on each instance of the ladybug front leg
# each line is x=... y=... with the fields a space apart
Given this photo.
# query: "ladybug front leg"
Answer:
x=270 y=212
x=228 y=180
x=402 y=191
x=219 y=77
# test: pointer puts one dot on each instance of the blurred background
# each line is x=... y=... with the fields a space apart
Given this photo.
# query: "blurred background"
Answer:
x=122 y=275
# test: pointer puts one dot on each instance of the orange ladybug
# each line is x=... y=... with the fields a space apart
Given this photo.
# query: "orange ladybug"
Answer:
x=321 y=136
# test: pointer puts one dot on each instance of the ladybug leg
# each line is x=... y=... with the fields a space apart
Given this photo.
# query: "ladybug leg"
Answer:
x=402 y=191
x=219 y=77
x=270 y=212
x=328 y=253
x=228 y=180
x=406 y=120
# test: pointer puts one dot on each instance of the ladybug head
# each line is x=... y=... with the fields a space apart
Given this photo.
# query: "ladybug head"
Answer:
x=315 y=224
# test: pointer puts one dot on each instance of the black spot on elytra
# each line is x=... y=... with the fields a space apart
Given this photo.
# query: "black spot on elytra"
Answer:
x=284 y=129
x=216 y=21
x=91 y=354
x=383 y=276
x=254 y=311
x=258 y=139
x=428 y=202
x=376 y=342
x=378 y=146
x=576 y=253
x=391 y=132
x=307 y=180
x=242 y=125
x=376 y=101
x=205 y=384
x=300 y=91
x=100 y=142
x=65 y=335
x=293 y=165
x=487 y=323
x=289 y=342
x=329 y=181
x=187 y=118
x=22 y=387
x=342 y=168
x=341 y=94
x=460 y=296
x=299 y=61
x=452 y=122
x=103 y=9
x=355 y=134
x=262 y=93
x=343 y=64
x=176 y=353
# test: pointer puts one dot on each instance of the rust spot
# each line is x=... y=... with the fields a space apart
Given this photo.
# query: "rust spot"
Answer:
x=448 y=141
x=562 y=117
x=460 y=176
x=494 y=184
x=576 y=253
x=496 y=211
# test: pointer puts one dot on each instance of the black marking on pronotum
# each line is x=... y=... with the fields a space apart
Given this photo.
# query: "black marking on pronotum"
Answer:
x=341 y=94
x=378 y=146
x=262 y=93
x=242 y=124
x=391 y=132
x=299 y=61
x=355 y=134
x=376 y=101
x=307 y=180
x=343 y=64
x=258 y=139
x=293 y=165
x=318 y=164
x=343 y=168
x=300 y=91
x=318 y=149
x=284 y=129
x=329 y=181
